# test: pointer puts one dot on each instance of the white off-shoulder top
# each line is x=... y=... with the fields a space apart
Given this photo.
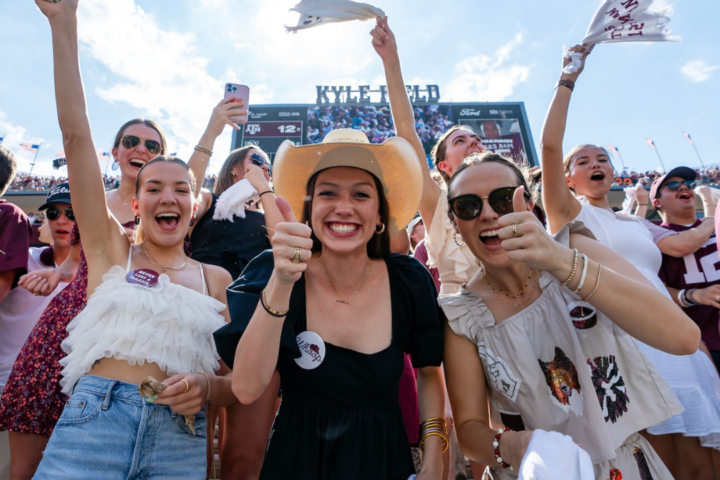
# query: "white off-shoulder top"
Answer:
x=167 y=324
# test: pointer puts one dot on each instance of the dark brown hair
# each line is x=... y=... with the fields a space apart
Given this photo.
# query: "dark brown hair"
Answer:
x=521 y=172
x=379 y=244
x=139 y=232
x=439 y=150
x=147 y=123
x=224 y=179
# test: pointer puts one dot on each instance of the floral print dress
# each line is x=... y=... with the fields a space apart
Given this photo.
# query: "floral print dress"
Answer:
x=32 y=400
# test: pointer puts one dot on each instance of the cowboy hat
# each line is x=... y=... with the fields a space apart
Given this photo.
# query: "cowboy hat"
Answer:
x=393 y=162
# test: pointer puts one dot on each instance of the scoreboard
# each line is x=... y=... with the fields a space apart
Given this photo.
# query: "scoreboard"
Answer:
x=503 y=126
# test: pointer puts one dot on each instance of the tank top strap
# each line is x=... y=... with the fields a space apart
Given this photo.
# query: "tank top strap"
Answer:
x=127 y=269
x=202 y=278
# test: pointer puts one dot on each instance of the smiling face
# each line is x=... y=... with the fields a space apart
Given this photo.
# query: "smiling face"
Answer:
x=345 y=209
x=61 y=227
x=481 y=233
x=490 y=129
x=164 y=203
x=590 y=173
x=132 y=159
x=675 y=204
x=459 y=145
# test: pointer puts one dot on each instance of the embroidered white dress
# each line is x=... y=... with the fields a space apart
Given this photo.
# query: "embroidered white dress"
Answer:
x=693 y=378
x=167 y=324
x=447 y=252
x=571 y=372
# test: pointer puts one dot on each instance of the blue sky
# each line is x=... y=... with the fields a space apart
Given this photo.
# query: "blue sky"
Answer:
x=168 y=61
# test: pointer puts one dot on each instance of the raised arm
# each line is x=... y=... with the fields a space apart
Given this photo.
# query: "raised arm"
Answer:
x=558 y=201
x=402 y=112
x=705 y=194
x=688 y=241
x=98 y=228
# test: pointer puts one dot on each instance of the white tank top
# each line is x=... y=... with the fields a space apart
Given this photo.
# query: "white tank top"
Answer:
x=167 y=324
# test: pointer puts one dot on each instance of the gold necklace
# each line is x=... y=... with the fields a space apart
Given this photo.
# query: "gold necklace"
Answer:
x=351 y=293
x=164 y=269
x=522 y=290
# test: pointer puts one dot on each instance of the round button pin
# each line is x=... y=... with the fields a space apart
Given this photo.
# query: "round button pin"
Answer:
x=143 y=276
x=312 y=349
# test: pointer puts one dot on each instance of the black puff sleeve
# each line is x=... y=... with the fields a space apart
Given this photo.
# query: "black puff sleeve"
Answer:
x=418 y=326
x=243 y=296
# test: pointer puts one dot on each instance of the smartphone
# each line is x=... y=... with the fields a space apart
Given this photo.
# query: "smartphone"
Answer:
x=241 y=92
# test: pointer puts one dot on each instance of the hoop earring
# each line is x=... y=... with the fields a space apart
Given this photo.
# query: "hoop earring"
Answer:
x=382 y=229
x=456 y=242
x=137 y=220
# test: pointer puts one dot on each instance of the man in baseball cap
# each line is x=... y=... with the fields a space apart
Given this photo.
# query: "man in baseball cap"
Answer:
x=693 y=280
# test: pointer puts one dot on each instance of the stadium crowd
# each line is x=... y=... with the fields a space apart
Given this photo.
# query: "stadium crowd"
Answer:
x=166 y=312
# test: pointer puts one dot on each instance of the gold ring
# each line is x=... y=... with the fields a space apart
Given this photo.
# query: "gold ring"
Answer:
x=717 y=298
x=36 y=294
x=514 y=231
x=297 y=256
x=187 y=385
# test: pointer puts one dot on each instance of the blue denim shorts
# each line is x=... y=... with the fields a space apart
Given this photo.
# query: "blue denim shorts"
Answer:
x=106 y=431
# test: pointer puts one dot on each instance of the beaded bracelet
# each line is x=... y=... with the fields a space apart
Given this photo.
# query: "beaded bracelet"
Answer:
x=270 y=311
x=207 y=400
x=496 y=447
x=572 y=274
x=202 y=149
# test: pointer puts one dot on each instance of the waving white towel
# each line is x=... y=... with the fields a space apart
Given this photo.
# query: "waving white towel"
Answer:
x=318 y=12
x=625 y=21
x=552 y=455
x=234 y=200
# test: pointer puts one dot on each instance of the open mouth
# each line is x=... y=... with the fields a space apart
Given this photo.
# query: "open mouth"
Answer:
x=343 y=229
x=137 y=163
x=167 y=219
x=490 y=237
x=684 y=196
x=597 y=177
x=62 y=232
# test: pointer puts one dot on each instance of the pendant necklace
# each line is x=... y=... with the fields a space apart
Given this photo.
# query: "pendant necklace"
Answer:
x=351 y=293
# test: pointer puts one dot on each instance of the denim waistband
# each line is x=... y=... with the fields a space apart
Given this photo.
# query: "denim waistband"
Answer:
x=108 y=388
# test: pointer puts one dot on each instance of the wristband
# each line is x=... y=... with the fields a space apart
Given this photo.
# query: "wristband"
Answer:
x=566 y=83
x=686 y=297
x=680 y=300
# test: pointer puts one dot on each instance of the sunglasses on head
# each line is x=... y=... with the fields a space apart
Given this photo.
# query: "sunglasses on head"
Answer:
x=132 y=141
x=53 y=213
x=674 y=186
x=469 y=207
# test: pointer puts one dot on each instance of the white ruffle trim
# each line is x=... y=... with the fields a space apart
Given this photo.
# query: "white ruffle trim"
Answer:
x=440 y=233
x=167 y=324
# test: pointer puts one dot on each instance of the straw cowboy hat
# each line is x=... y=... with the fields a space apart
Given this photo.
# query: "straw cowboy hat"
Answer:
x=393 y=162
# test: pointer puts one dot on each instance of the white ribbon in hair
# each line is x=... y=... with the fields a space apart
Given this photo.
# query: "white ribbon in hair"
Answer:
x=625 y=21
x=318 y=12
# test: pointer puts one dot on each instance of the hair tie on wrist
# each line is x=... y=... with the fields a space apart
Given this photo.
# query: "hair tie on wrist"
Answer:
x=267 y=191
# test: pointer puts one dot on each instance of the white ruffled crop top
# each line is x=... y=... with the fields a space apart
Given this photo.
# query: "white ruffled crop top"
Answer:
x=167 y=324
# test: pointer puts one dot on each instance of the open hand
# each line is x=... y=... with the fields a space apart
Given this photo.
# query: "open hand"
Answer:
x=383 y=39
x=290 y=235
x=707 y=296
x=533 y=246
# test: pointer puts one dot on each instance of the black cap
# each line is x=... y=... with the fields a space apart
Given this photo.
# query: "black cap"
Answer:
x=57 y=194
x=683 y=172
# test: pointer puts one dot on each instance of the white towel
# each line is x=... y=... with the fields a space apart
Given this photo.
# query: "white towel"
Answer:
x=625 y=21
x=715 y=193
x=318 y=12
x=552 y=455
x=234 y=200
x=630 y=194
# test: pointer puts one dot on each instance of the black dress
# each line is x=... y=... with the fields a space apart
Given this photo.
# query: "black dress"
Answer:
x=341 y=420
x=227 y=244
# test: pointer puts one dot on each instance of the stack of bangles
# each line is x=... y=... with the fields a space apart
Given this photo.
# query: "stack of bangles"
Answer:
x=685 y=298
x=434 y=426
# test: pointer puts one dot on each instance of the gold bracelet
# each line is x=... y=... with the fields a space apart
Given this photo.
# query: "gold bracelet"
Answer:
x=202 y=149
x=434 y=418
x=207 y=400
x=572 y=274
x=444 y=438
x=271 y=311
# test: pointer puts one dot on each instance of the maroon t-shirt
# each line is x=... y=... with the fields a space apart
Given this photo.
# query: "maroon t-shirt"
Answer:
x=15 y=233
x=696 y=270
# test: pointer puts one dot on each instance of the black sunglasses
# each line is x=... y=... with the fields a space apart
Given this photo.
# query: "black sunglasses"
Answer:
x=259 y=160
x=674 y=186
x=468 y=207
x=53 y=213
x=132 y=141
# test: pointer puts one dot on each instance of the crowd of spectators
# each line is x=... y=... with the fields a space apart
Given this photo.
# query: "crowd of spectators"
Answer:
x=705 y=176
x=430 y=122
x=24 y=182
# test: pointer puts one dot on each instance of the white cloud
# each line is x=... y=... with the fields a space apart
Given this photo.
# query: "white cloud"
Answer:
x=698 y=70
x=14 y=135
x=487 y=78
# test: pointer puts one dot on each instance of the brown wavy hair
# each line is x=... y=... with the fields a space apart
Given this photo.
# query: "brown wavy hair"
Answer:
x=225 y=180
x=439 y=150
